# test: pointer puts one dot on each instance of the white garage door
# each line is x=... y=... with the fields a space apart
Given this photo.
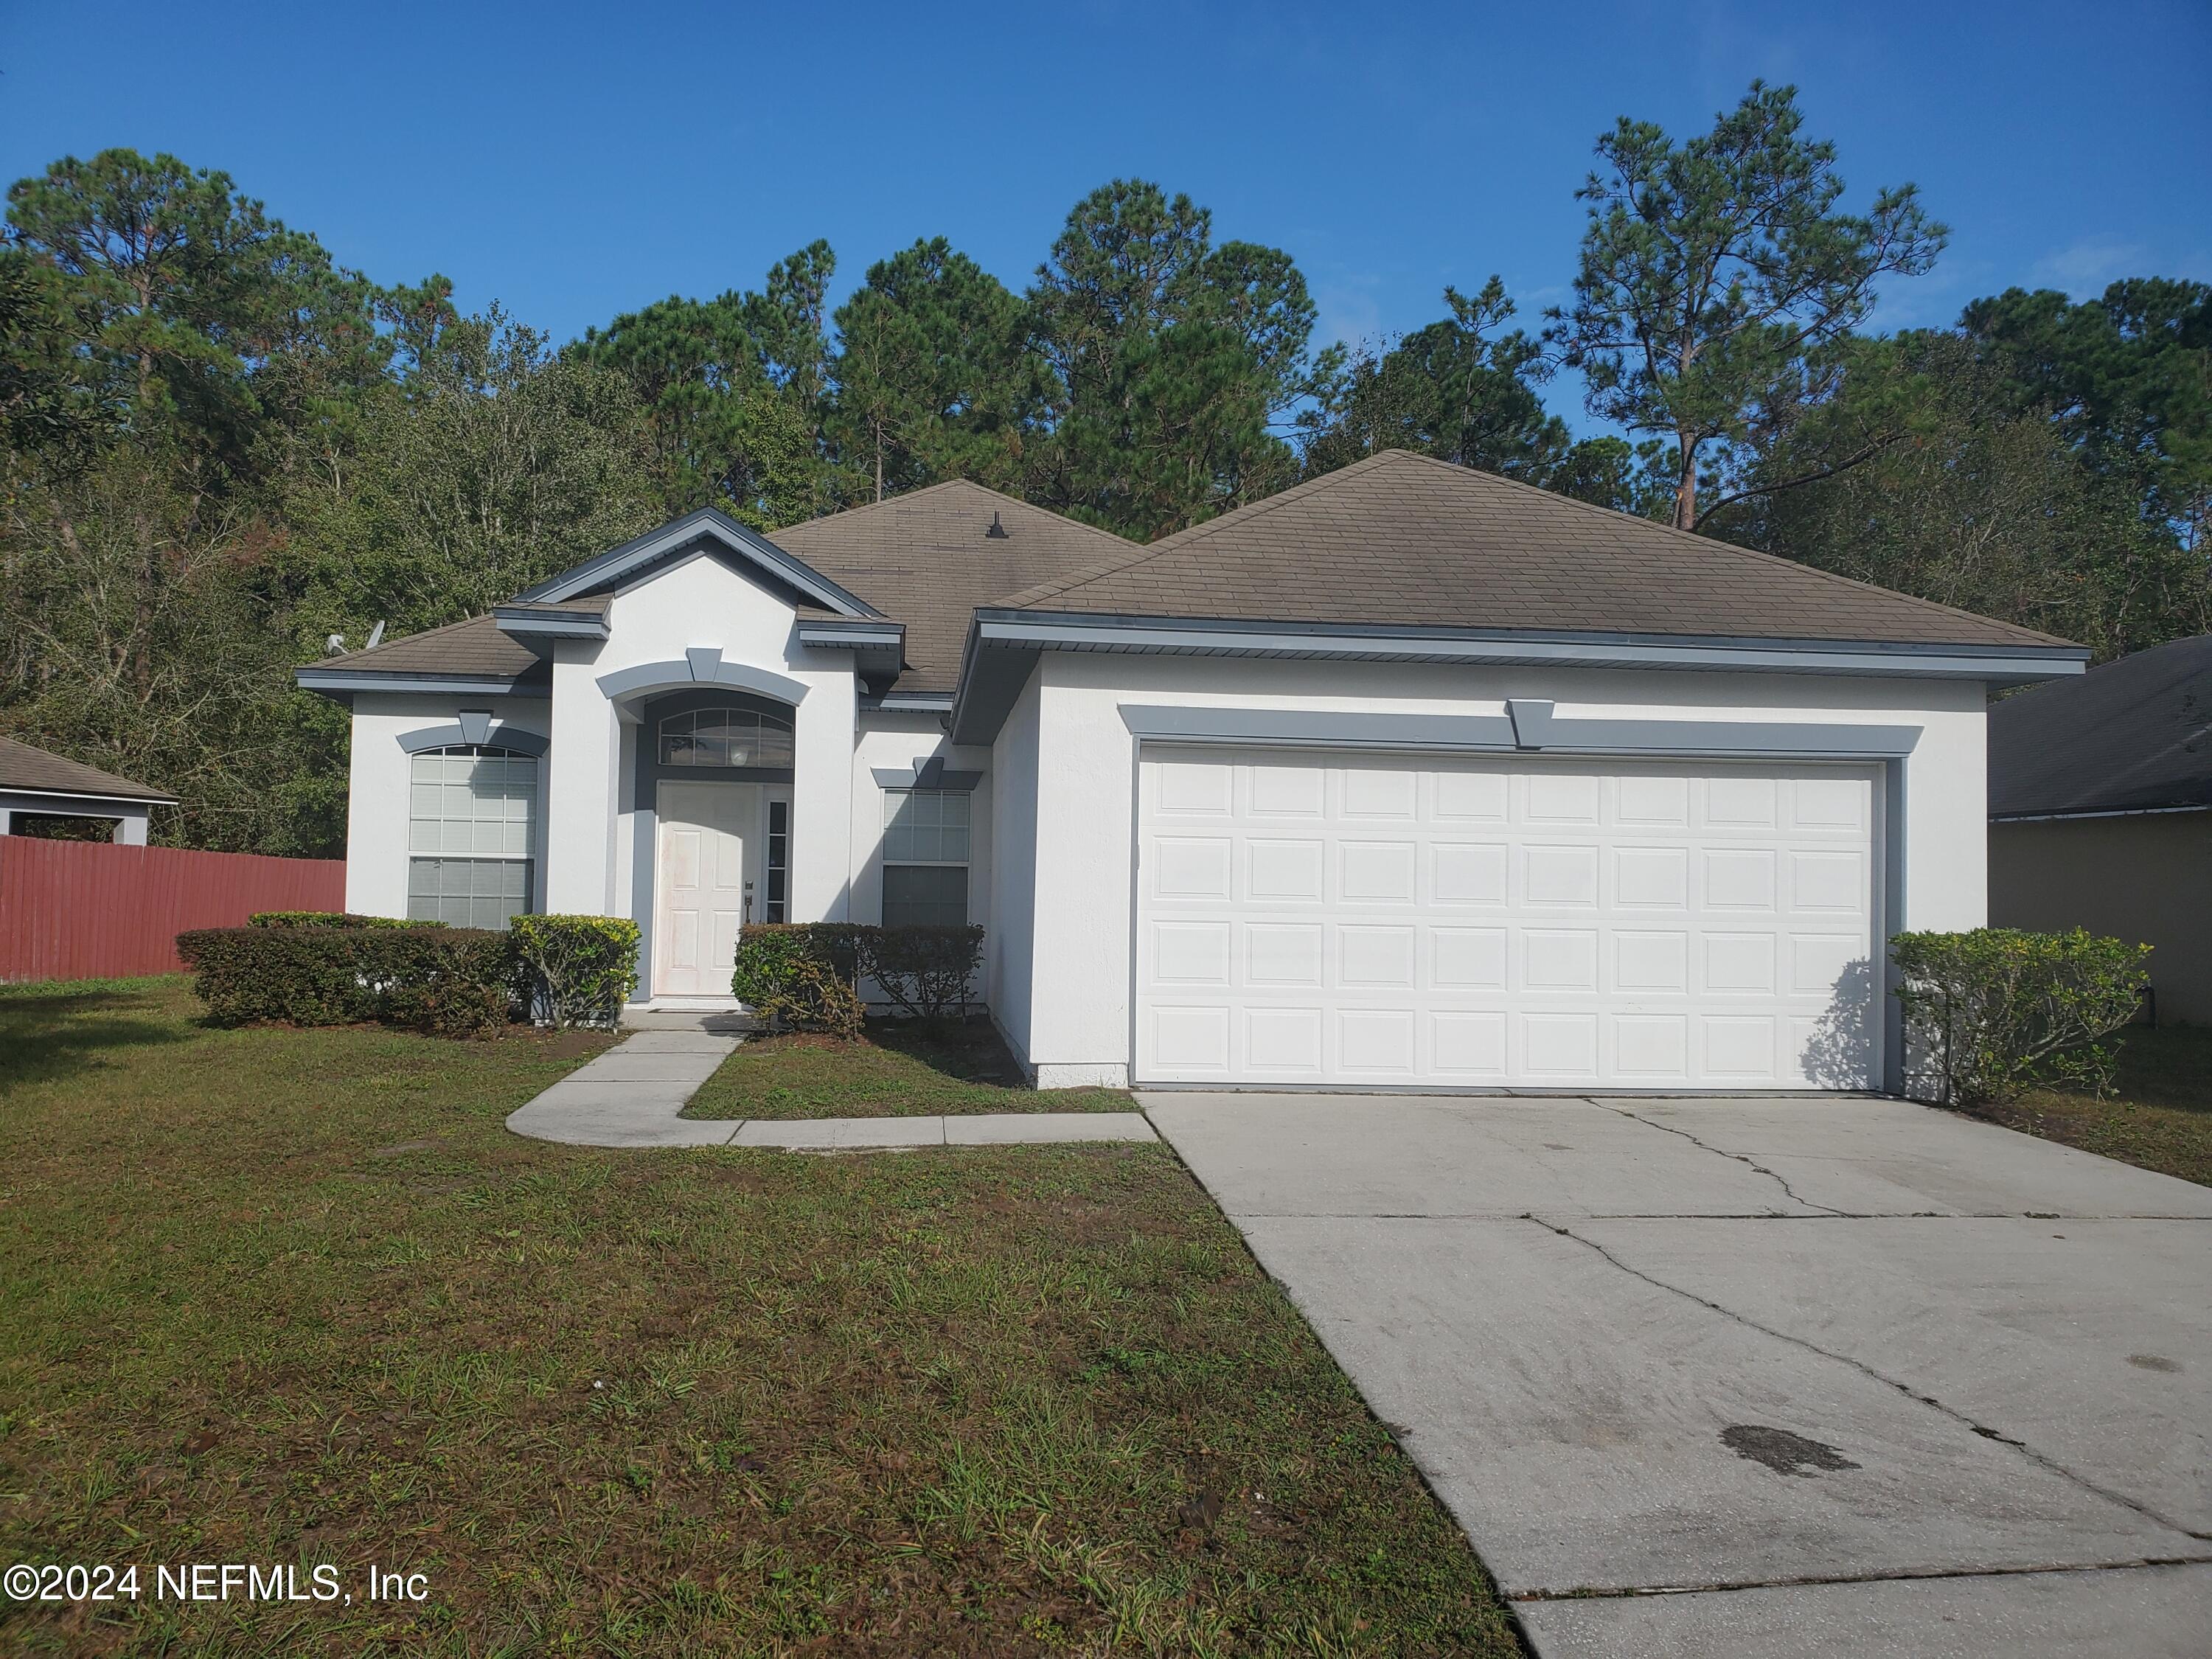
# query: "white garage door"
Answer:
x=1327 y=919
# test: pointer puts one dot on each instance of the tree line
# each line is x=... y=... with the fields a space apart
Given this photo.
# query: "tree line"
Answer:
x=221 y=446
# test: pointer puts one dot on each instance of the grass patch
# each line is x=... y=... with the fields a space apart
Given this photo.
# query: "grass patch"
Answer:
x=295 y=1296
x=2160 y=1119
x=899 y=1069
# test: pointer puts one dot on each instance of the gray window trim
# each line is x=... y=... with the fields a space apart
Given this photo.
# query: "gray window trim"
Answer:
x=702 y=664
x=1528 y=726
x=930 y=774
x=476 y=730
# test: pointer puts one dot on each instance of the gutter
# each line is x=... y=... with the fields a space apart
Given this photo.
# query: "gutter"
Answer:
x=998 y=634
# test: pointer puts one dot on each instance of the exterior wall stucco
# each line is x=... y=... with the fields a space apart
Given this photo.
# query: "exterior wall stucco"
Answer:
x=596 y=825
x=1010 y=951
x=376 y=790
x=2146 y=878
x=1076 y=1029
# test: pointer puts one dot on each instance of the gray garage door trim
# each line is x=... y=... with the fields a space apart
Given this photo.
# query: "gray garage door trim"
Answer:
x=1233 y=728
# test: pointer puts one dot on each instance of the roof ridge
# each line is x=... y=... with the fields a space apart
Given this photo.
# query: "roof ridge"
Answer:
x=1244 y=514
x=905 y=496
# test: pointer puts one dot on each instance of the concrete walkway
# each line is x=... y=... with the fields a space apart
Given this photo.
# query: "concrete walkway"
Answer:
x=634 y=1095
x=1760 y=1378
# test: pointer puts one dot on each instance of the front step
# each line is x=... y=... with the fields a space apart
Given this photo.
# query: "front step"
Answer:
x=729 y=1022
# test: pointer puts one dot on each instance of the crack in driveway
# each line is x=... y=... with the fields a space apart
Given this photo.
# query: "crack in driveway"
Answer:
x=1903 y=1575
x=1905 y=1389
x=1740 y=1157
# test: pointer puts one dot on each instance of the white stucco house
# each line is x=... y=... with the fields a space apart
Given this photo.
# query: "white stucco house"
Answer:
x=1411 y=777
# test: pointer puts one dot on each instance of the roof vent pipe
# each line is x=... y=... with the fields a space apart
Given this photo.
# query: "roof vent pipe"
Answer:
x=997 y=532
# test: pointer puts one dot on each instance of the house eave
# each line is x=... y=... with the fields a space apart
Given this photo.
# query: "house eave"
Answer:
x=529 y=622
x=1003 y=645
x=15 y=795
x=709 y=525
x=341 y=684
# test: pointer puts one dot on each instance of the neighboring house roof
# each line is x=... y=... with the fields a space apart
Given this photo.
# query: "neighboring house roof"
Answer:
x=927 y=558
x=1403 y=540
x=36 y=772
x=2132 y=736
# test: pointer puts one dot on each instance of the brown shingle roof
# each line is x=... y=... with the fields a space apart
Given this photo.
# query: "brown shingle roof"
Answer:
x=23 y=767
x=1402 y=540
x=474 y=647
x=926 y=559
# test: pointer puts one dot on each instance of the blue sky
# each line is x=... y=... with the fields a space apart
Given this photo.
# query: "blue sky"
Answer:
x=574 y=161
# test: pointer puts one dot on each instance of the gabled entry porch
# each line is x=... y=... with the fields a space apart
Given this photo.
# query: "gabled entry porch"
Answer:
x=711 y=783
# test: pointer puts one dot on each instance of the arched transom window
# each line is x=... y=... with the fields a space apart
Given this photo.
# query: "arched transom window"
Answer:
x=472 y=830
x=725 y=737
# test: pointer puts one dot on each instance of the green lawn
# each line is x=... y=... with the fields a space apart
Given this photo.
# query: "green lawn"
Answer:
x=295 y=1296
x=898 y=1069
x=2160 y=1119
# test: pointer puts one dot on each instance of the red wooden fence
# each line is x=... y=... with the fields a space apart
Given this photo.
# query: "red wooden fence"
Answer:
x=76 y=910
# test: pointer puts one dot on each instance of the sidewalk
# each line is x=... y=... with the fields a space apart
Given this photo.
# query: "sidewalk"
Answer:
x=634 y=1095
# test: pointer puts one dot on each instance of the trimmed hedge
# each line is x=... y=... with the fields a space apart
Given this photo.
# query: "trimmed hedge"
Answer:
x=455 y=982
x=806 y=973
x=581 y=968
x=1991 y=1013
x=800 y=975
x=330 y=919
x=308 y=968
x=925 y=971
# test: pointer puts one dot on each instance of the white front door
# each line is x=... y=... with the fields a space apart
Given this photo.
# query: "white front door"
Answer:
x=700 y=882
x=1348 y=921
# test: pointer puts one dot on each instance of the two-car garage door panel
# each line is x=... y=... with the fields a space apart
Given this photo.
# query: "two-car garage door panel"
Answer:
x=1335 y=920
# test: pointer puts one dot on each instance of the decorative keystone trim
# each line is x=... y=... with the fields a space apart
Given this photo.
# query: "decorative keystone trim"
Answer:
x=702 y=664
x=476 y=729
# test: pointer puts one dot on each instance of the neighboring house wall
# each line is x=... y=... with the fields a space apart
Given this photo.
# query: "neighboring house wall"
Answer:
x=1077 y=1027
x=2145 y=877
x=130 y=817
x=379 y=794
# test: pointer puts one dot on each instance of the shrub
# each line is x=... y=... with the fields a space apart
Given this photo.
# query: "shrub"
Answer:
x=801 y=973
x=1993 y=1012
x=581 y=968
x=455 y=982
x=330 y=919
x=925 y=971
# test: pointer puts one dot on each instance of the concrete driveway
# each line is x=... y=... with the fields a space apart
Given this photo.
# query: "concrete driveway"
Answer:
x=1844 y=1376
